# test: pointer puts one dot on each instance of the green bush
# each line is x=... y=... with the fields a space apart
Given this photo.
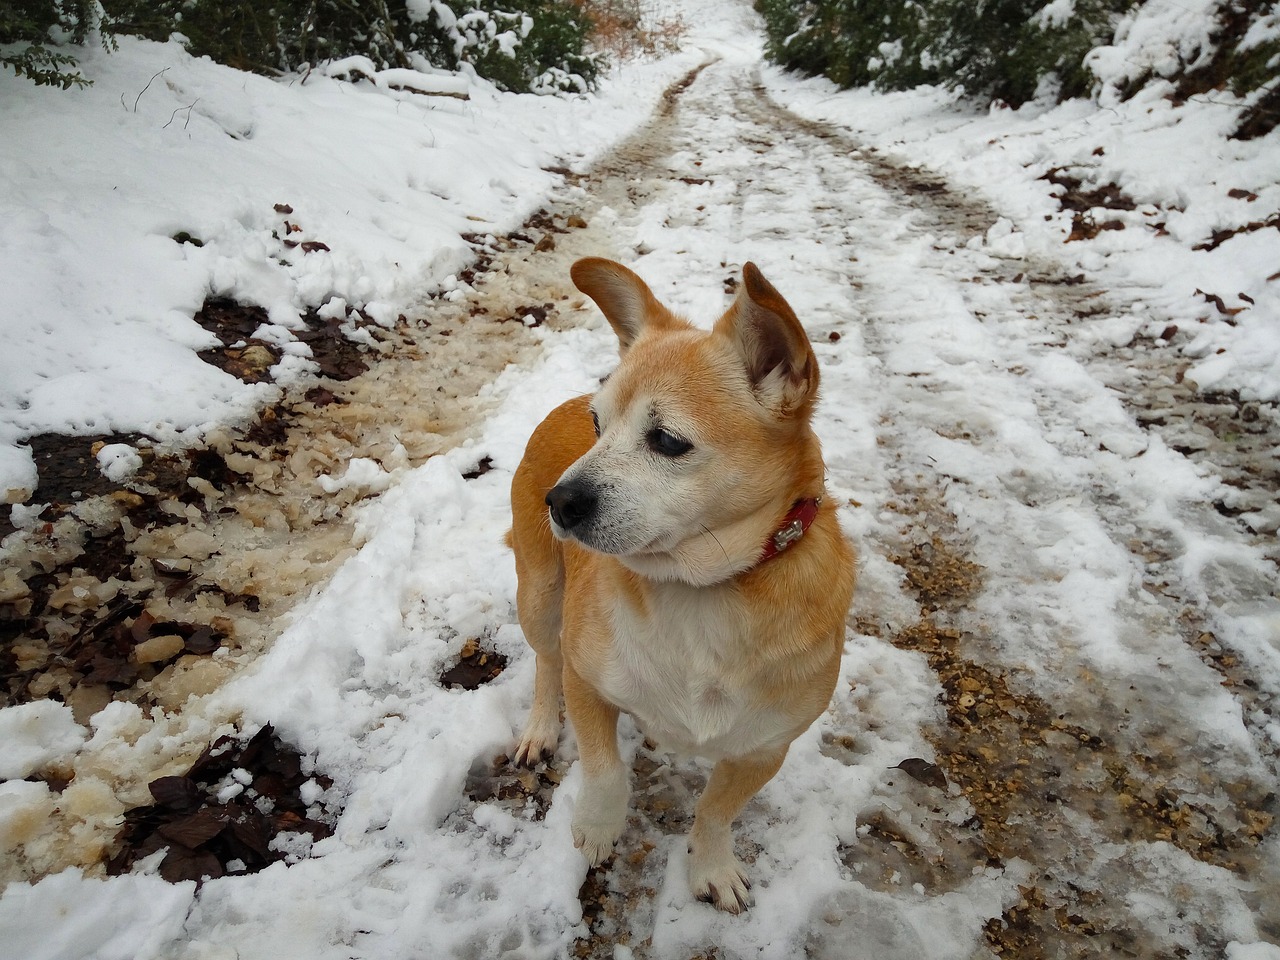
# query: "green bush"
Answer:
x=852 y=42
x=33 y=25
x=521 y=45
x=550 y=38
x=1002 y=49
x=514 y=44
x=1010 y=50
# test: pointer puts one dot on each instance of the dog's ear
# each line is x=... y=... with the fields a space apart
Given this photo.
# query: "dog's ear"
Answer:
x=773 y=345
x=625 y=300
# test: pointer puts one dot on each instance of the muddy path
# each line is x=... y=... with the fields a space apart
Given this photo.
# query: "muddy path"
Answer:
x=159 y=589
x=1095 y=780
x=1081 y=775
x=1090 y=772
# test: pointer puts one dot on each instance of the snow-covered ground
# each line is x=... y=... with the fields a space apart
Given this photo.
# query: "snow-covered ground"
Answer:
x=97 y=183
x=965 y=410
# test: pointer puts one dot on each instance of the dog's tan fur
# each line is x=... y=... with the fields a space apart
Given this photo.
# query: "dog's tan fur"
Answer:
x=657 y=601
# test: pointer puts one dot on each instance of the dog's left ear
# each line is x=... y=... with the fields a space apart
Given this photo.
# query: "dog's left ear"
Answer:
x=625 y=300
x=780 y=363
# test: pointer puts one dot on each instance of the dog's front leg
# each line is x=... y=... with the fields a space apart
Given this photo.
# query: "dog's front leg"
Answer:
x=601 y=811
x=715 y=875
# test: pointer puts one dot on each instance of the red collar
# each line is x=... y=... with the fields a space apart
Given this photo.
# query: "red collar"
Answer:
x=793 y=527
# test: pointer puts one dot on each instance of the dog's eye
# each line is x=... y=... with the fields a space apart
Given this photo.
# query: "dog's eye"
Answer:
x=595 y=422
x=667 y=444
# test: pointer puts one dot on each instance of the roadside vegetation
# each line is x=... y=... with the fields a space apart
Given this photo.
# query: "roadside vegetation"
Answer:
x=1014 y=51
x=540 y=46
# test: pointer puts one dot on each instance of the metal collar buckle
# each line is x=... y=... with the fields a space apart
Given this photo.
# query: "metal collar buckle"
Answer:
x=788 y=535
x=794 y=526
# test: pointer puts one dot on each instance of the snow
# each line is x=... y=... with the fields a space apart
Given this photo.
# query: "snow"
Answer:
x=1040 y=463
x=388 y=180
x=1175 y=163
x=36 y=734
x=118 y=461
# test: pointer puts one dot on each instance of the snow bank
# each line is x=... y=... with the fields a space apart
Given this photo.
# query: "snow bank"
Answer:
x=173 y=179
x=1195 y=247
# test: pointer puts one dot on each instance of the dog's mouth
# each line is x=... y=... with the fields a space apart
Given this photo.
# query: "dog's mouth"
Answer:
x=611 y=541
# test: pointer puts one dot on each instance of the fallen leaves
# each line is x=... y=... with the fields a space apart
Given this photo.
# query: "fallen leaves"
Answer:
x=922 y=771
x=1072 y=195
x=241 y=806
x=480 y=469
x=250 y=358
x=1219 y=237
x=338 y=357
x=476 y=666
x=1220 y=305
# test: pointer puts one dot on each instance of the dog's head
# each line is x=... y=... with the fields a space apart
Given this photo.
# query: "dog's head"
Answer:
x=703 y=436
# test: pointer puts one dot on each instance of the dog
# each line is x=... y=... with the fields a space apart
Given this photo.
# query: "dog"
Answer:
x=678 y=559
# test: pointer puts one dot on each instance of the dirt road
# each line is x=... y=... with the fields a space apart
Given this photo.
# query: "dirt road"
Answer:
x=1093 y=710
x=1048 y=523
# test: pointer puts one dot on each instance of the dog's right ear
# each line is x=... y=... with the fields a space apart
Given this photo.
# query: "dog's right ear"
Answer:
x=625 y=300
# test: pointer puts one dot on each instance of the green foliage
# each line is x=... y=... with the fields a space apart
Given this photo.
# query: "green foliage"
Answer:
x=34 y=24
x=1005 y=49
x=525 y=45
x=853 y=42
x=1002 y=49
x=45 y=68
x=514 y=44
x=521 y=45
x=1244 y=68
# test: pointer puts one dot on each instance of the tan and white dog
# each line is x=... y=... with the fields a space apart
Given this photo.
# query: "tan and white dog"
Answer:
x=678 y=559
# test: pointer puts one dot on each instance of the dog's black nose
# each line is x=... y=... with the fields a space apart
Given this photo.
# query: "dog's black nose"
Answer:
x=570 y=504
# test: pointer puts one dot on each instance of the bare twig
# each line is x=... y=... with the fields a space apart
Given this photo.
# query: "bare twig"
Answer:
x=144 y=89
x=179 y=110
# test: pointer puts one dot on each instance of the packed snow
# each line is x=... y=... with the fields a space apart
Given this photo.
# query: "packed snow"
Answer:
x=933 y=376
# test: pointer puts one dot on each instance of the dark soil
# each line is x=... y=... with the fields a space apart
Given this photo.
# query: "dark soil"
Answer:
x=204 y=837
x=250 y=359
x=475 y=667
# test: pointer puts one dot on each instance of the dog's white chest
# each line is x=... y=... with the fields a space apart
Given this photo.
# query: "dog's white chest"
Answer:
x=681 y=673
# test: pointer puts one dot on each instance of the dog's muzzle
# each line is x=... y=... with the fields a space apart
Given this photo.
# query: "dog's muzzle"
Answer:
x=570 y=504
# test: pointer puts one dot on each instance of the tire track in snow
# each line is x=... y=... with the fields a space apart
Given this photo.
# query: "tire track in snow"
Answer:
x=1057 y=767
x=1014 y=537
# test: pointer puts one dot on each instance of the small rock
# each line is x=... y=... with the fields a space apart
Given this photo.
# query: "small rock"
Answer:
x=576 y=222
x=158 y=648
x=12 y=586
x=83 y=593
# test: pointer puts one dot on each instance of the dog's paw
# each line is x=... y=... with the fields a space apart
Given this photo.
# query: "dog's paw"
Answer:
x=720 y=880
x=600 y=814
x=537 y=743
x=595 y=841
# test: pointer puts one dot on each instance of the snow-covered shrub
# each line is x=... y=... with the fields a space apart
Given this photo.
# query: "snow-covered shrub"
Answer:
x=1003 y=49
x=1015 y=50
x=28 y=28
x=521 y=45
x=851 y=42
